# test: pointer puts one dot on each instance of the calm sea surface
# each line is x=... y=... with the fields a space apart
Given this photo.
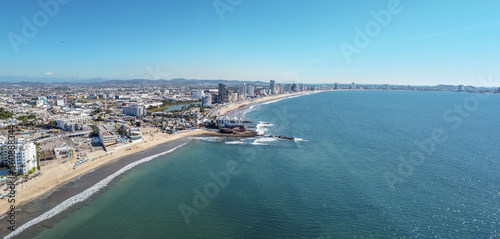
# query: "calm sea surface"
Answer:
x=364 y=164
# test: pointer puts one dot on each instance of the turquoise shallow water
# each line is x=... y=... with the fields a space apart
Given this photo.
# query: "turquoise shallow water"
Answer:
x=352 y=173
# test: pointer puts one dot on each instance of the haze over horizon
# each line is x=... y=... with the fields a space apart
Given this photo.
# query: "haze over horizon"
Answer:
x=418 y=43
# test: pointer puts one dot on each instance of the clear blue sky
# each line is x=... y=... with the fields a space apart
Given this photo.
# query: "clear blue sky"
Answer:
x=427 y=43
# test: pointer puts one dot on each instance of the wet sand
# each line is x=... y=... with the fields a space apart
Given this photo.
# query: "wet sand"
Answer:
x=60 y=181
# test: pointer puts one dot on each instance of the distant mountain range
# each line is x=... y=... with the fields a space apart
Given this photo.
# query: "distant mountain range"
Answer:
x=50 y=81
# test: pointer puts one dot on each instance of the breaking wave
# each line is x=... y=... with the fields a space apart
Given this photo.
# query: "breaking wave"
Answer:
x=85 y=194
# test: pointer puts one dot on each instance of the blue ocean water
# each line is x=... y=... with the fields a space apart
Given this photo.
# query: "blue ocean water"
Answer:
x=364 y=164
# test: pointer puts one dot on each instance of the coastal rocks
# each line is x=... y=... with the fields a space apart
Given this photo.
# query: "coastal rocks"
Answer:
x=224 y=132
x=281 y=137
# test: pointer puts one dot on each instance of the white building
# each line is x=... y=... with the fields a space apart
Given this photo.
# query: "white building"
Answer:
x=132 y=132
x=24 y=151
x=40 y=101
x=233 y=97
x=272 y=87
x=228 y=122
x=199 y=94
x=61 y=102
x=251 y=90
x=133 y=110
x=106 y=136
x=73 y=122
x=243 y=91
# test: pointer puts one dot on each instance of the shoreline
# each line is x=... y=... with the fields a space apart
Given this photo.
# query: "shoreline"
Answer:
x=75 y=193
x=56 y=175
x=235 y=106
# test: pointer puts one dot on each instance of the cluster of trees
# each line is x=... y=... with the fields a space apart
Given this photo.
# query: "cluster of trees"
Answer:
x=96 y=111
x=5 y=114
x=32 y=170
x=26 y=117
x=167 y=103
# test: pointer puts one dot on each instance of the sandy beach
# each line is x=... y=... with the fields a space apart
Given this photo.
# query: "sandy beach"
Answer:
x=56 y=173
x=235 y=106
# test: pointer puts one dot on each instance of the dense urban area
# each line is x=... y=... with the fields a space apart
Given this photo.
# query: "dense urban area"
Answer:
x=68 y=121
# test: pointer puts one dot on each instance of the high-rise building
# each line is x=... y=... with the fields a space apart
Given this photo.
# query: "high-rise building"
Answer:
x=206 y=100
x=251 y=90
x=294 y=88
x=272 y=88
x=336 y=86
x=301 y=87
x=199 y=94
x=281 y=88
x=242 y=91
x=221 y=93
x=134 y=110
x=24 y=153
x=460 y=88
x=353 y=86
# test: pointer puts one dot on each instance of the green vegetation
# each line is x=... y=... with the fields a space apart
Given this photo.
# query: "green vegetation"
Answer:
x=96 y=111
x=166 y=104
x=4 y=114
x=95 y=131
x=26 y=117
x=32 y=170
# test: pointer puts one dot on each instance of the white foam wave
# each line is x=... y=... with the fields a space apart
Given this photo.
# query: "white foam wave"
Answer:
x=85 y=194
x=235 y=142
x=209 y=139
x=264 y=141
x=299 y=139
x=261 y=127
x=273 y=101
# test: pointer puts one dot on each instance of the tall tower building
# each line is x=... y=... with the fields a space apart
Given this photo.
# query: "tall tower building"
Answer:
x=242 y=91
x=353 y=86
x=271 y=86
x=251 y=90
x=221 y=93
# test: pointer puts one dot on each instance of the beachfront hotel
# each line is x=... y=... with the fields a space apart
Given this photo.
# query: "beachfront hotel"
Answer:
x=25 y=154
x=106 y=136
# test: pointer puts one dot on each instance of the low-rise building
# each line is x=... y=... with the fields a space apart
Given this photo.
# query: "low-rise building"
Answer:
x=132 y=132
x=73 y=122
